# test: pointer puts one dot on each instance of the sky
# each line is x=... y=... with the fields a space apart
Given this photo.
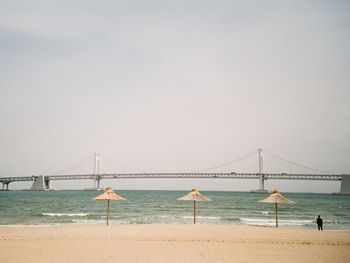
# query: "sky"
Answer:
x=175 y=86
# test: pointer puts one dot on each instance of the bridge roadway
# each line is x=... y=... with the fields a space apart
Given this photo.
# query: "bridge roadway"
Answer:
x=232 y=175
x=7 y=180
x=266 y=176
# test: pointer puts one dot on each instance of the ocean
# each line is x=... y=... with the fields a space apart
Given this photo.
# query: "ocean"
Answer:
x=162 y=207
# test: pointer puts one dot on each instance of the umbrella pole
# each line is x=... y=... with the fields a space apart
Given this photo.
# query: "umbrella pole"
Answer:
x=194 y=212
x=108 y=203
x=276 y=214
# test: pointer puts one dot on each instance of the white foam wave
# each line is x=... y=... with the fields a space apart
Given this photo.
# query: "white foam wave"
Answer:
x=272 y=222
x=89 y=222
x=61 y=214
x=166 y=216
x=203 y=217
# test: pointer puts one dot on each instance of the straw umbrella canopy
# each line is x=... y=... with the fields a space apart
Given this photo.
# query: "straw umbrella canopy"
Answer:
x=109 y=195
x=194 y=196
x=276 y=198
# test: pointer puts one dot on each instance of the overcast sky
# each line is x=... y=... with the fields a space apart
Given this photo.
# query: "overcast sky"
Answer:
x=174 y=86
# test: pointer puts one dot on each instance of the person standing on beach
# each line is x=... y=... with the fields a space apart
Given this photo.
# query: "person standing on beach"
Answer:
x=319 y=222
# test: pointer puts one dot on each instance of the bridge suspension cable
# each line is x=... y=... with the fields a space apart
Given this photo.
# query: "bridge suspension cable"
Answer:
x=75 y=166
x=221 y=165
x=119 y=164
x=229 y=162
x=296 y=164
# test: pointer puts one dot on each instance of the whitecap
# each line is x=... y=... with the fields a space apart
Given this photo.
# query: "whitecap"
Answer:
x=61 y=214
x=85 y=222
x=203 y=217
x=272 y=222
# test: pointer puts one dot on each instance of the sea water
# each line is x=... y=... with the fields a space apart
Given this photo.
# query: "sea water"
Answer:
x=162 y=207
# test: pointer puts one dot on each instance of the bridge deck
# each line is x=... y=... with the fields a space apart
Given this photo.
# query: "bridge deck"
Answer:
x=265 y=176
x=16 y=179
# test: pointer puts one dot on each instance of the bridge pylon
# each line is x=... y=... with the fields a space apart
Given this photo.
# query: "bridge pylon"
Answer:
x=41 y=183
x=261 y=174
x=97 y=177
x=5 y=186
x=345 y=185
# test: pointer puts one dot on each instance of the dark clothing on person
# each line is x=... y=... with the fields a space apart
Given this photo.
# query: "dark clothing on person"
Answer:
x=319 y=222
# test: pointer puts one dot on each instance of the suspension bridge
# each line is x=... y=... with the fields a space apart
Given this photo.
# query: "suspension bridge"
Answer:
x=43 y=182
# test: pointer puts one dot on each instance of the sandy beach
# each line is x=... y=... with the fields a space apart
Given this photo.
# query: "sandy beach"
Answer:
x=171 y=243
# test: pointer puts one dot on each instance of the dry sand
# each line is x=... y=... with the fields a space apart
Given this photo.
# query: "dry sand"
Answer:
x=171 y=243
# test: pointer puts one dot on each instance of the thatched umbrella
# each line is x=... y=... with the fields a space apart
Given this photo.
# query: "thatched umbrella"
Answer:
x=109 y=195
x=276 y=198
x=194 y=196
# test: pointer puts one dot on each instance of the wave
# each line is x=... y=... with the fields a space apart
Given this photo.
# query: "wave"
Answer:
x=61 y=214
x=272 y=222
x=264 y=212
x=203 y=217
x=88 y=222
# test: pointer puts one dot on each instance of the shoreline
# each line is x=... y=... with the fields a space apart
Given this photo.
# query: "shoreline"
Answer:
x=167 y=224
x=171 y=243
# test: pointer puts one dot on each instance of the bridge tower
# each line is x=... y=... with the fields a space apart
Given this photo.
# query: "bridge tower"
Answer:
x=261 y=170
x=261 y=173
x=345 y=185
x=40 y=183
x=97 y=176
x=97 y=165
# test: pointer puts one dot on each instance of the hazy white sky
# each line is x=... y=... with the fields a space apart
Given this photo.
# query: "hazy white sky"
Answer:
x=174 y=86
